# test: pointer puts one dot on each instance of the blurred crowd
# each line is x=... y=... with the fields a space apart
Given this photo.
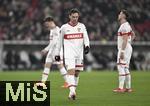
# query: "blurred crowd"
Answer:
x=21 y=19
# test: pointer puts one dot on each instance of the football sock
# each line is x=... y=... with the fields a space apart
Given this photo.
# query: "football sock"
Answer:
x=64 y=73
x=76 y=80
x=121 y=70
x=128 y=79
x=71 y=82
x=121 y=81
x=45 y=74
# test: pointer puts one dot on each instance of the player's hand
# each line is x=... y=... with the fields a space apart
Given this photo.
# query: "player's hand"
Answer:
x=44 y=52
x=122 y=55
x=86 y=50
x=57 y=58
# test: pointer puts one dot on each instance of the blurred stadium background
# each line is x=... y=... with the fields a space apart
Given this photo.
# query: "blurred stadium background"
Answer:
x=22 y=35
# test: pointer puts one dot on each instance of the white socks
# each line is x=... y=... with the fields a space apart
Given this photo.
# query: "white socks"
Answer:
x=64 y=73
x=122 y=74
x=45 y=74
x=71 y=82
x=128 y=79
x=76 y=80
x=124 y=77
x=121 y=81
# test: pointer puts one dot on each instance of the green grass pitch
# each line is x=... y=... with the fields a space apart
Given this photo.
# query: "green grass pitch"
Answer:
x=95 y=88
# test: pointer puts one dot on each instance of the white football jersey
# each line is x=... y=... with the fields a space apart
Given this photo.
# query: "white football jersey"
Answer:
x=124 y=29
x=73 y=39
x=53 y=40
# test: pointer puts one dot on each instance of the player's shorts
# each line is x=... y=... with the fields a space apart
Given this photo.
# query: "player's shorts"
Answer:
x=50 y=58
x=74 y=63
x=127 y=56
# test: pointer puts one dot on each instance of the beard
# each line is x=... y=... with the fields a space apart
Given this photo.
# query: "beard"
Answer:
x=74 y=21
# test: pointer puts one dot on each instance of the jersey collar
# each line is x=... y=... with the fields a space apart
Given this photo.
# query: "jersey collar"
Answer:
x=73 y=25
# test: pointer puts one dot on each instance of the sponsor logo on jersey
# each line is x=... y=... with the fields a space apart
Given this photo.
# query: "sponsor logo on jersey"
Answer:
x=73 y=36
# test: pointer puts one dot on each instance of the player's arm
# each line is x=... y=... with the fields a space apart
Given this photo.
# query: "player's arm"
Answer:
x=59 y=44
x=49 y=47
x=133 y=36
x=46 y=49
x=86 y=41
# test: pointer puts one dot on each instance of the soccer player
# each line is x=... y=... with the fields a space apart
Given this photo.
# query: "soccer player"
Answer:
x=125 y=36
x=51 y=50
x=75 y=41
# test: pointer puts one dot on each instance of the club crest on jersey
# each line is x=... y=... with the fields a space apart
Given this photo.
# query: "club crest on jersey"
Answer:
x=79 y=29
x=68 y=30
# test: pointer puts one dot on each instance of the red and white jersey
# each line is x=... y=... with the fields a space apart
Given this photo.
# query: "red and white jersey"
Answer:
x=53 y=40
x=74 y=38
x=125 y=29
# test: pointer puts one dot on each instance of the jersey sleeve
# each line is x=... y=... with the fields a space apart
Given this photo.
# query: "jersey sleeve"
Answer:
x=47 y=47
x=59 y=41
x=53 y=42
x=86 y=38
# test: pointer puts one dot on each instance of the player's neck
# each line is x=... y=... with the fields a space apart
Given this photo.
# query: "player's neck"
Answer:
x=122 y=21
x=72 y=24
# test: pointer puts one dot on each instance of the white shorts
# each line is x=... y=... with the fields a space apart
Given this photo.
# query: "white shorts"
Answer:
x=74 y=63
x=50 y=58
x=127 y=56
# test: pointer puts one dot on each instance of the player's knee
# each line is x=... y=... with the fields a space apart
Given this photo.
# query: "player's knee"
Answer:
x=48 y=65
x=127 y=70
x=77 y=73
x=60 y=66
x=71 y=72
x=121 y=69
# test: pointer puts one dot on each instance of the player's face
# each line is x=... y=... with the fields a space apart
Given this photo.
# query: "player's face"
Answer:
x=121 y=15
x=74 y=18
x=48 y=25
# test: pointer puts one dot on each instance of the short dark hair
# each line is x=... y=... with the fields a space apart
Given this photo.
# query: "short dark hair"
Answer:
x=126 y=14
x=74 y=10
x=48 y=19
